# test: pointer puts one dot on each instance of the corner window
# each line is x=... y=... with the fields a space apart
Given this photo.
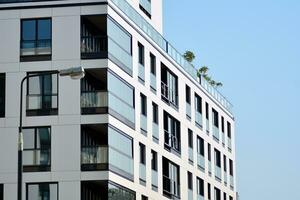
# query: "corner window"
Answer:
x=36 y=39
x=42 y=95
x=37 y=149
x=2 y=95
x=42 y=191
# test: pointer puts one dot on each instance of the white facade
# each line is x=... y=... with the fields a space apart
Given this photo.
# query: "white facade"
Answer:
x=66 y=144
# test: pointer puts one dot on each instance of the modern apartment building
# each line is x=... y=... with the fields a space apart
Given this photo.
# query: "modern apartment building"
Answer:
x=140 y=124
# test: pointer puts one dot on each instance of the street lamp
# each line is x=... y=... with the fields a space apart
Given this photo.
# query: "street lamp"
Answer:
x=74 y=73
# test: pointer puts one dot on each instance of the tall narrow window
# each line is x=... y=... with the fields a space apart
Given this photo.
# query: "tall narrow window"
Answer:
x=190 y=180
x=224 y=196
x=154 y=160
x=225 y=163
x=188 y=94
x=37 y=149
x=141 y=54
x=228 y=129
x=155 y=112
x=230 y=198
x=198 y=103
x=36 y=39
x=42 y=95
x=222 y=124
x=217 y=194
x=169 y=86
x=1 y=192
x=42 y=191
x=209 y=152
x=208 y=191
x=230 y=167
x=171 y=179
x=142 y=154
x=200 y=146
x=172 y=132
x=2 y=95
x=217 y=158
x=143 y=105
x=215 y=118
x=206 y=111
x=190 y=138
x=200 y=187
x=152 y=64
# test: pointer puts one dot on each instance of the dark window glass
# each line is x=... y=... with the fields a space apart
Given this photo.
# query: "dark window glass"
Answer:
x=190 y=180
x=206 y=110
x=2 y=95
x=208 y=191
x=152 y=64
x=217 y=158
x=155 y=112
x=200 y=145
x=171 y=178
x=215 y=118
x=44 y=29
x=116 y=192
x=209 y=152
x=143 y=104
x=1 y=192
x=169 y=86
x=144 y=197
x=188 y=94
x=230 y=198
x=190 y=138
x=142 y=154
x=200 y=186
x=217 y=194
x=229 y=129
x=230 y=167
x=172 y=132
x=154 y=160
x=225 y=163
x=224 y=196
x=141 y=54
x=198 y=103
x=37 y=147
x=222 y=124
x=29 y=30
x=43 y=191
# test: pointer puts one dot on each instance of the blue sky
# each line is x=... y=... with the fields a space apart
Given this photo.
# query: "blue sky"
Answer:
x=253 y=47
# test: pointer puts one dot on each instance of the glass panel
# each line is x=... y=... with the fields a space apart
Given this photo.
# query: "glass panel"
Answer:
x=44 y=29
x=28 y=135
x=94 y=99
x=119 y=142
x=42 y=191
x=118 y=193
x=35 y=85
x=154 y=178
x=121 y=161
x=143 y=172
x=43 y=138
x=94 y=155
x=28 y=29
x=143 y=122
x=36 y=157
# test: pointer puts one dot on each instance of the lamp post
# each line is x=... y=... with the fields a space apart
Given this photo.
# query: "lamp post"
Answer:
x=74 y=73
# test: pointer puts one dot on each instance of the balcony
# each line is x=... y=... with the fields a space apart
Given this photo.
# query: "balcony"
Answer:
x=191 y=154
x=94 y=157
x=171 y=188
x=169 y=95
x=154 y=180
x=172 y=142
x=93 y=102
x=153 y=34
x=93 y=47
x=216 y=133
x=207 y=125
x=218 y=174
x=209 y=167
x=225 y=177
x=231 y=180
x=155 y=132
x=143 y=177
x=188 y=110
x=141 y=73
x=229 y=143
x=190 y=194
x=153 y=82
x=201 y=162
x=122 y=161
x=198 y=119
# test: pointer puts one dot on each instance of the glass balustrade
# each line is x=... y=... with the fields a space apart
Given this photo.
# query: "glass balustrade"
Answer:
x=121 y=161
x=143 y=172
x=190 y=194
x=209 y=167
x=143 y=122
x=141 y=72
x=94 y=155
x=218 y=173
x=146 y=4
x=188 y=110
x=154 y=178
x=216 y=132
x=94 y=99
x=155 y=131
x=207 y=125
x=36 y=157
x=229 y=143
x=231 y=179
x=201 y=161
x=198 y=119
x=153 y=81
x=225 y=177
x=191 y=154
x=200 y=197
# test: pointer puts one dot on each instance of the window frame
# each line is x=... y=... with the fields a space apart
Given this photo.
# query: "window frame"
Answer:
x=3 y=106
x=40 y=183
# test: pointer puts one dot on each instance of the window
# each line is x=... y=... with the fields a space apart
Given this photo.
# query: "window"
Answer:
x=169 y=86
x=190 y=138
x=200 y=186
x=172 y=132
x=2 y=95
x=36 y=39
x=152 y=64
x=155 y=112
x=228 y=129
x=225 y=163
x=230 y=198
x=217 y=194
x=209 y=152
x=215 y=118
x=171 y=177
x=222 y=124
x=143 y=105
x=142 y=154
x=190 y=180
x=206 y=110
x=217 y=158
x=200 y=146
x=198 y=103
x=37 y=149
x=117 y=192
x=1 y=192
x=42 y=191
x=188 y=94
x=208 y=191
x=144 y=197
x=154 y=160
x=230 y=167
x=141 y=54
x=145 y=6
x=224 y=196
x=42 y=95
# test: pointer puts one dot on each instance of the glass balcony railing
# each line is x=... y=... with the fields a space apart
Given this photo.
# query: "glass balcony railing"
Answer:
x=200 y=197
x=218 y=173
x=94 y=155
x=141 y=72
x=231 y=180
x=229 y=143
x=154 y=178
x=142 y=172
x=35 y=47
x=39 y=102
x=153 y=81
x=188 y=110
x=93 y=46
x=121 y=161
x=153 y=34
x=191 y=154
x=209 y=166
x=171 y=187
x=190 y=194
x=146 y=4
x=225 y=177
x=198 y=119
x=216 y=132
x=36 y=157
x=223 y=139
x=143 y=122
x=155 y=131
x=94 y=99
x=207 y=125
x=201 y=161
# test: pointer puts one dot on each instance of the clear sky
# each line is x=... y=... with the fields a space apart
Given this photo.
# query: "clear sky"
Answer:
x=253 y=47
